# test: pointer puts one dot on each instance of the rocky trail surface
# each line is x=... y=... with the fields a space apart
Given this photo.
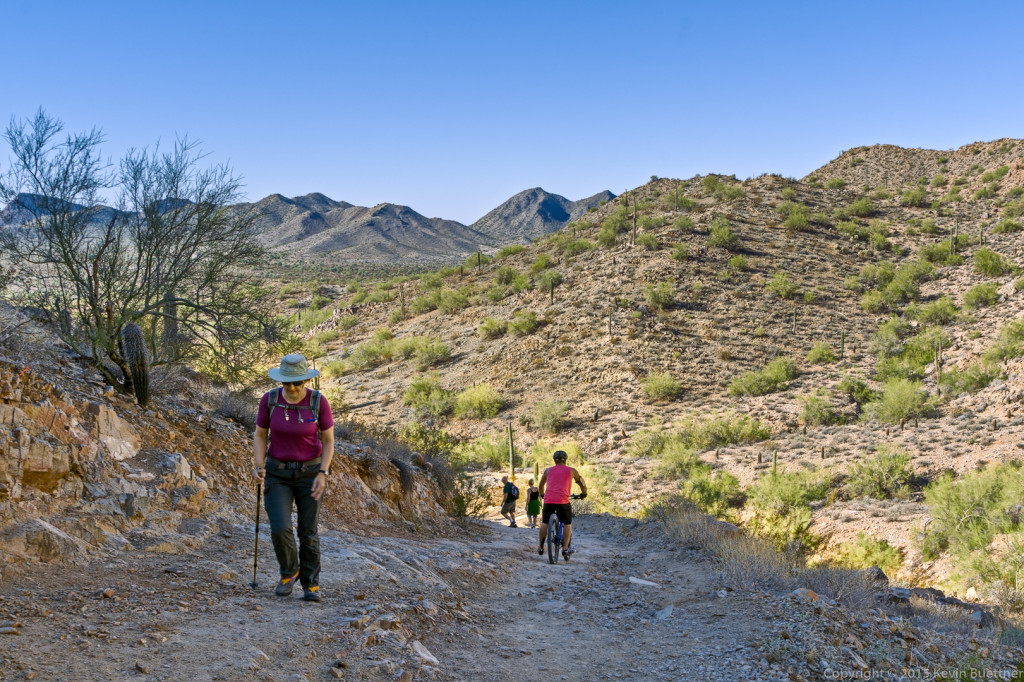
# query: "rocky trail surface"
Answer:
x=479 y=604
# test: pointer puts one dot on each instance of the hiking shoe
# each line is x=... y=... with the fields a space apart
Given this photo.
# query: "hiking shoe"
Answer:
x=513 y=525
x=540 y=550
x=285 y=585
x=311 y=593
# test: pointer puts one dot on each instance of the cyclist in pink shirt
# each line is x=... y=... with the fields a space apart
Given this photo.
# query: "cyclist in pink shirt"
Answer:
x=557 y=481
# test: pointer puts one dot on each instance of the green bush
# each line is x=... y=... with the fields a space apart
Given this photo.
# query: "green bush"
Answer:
x=431 y=281
x=865 y=552
x=578 y=246
x=489 y=452
x=647 y=241
x=661 y=296
x=431 y=353
x=939 y=253
x=425 y=395
x=542 y=262
x=781 y=285
x=548 y=280
x=817 y=410
x=780 y=502
x=939 y=180
x=857 y=390
x=333 y=369
x=988 y=262
x=505 y=275
x=862 y=208
x=775 y=376
x=478 y=402
x=684 y=224
x=540 y=453
x=995 y=175
x=721 y=235
x=648 y=223
x=699 y=433
x=835 y=183
x=318 y=302
x=788 y=193
x=425 y=303
x=677 y=462
x=547 y=415
x=661 y=386
x=885 y=476
x=981 y=296
x=510 y=250
x=821 y=353
x=971 y=379
x=524 y=323
x=901 y=399
x=491 y=328
x=915 y=197
x=478 y=259
x=452 y=300
x=606 y=237
x=346 y=322
x=680 y=252
x=1009 y=344
x=738 y=263
x=874 y=276
x=715 y=492
x=939 y=311
x=985 y=193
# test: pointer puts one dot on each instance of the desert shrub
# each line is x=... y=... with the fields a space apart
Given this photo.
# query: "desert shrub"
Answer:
x=684 y=224
x=523 y=323
x=775 y=376
x=549 y=279
x=857 y=390
x=478 y=402
x=699 y=433
x=939 y=311
x=729 y=192
x=647 y=241
x=971 y=379
x=939 y=180
x=452 y=300
x=425 y=395
x=781 y=285
x=602 y=484
x=928 y=226
x=821 y=353
x=577 y=246
x=981 y=296
x=425 y=303
x=901 y=399
x=505 y=274
x=326 y=336
x=476 y=260
x=940 y=253
x=346 y=322
x=721 y=235
x=431 y=281
x=318 y=301
x=431 y=353
x=542 y=262
x=470 y=498
x=862 y=208
x=797 y=220
x=661 y=386
x=995 y=175
x=835 y=183
x=647 y=223
x=606 y=237
x=915 y=197
x=874 y=276
x=884 y=476
x=988 y=262
x=333 y=369
x=865 y=552
x=680 y=252
x=491 y=328
x=967 y=514
x=488 y=452
x=1012 y=209
x=715 y=492
x=1009 y=343
x=817 y=410
x=985 y=193
x=788 y=193
x=738 y=263
x=780 y=502
x=660 y=296
x=510 y=250
x=676 y=461
x=547 y=415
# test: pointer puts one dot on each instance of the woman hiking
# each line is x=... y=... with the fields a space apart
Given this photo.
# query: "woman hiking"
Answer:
x=293 y=447
x=532 y=504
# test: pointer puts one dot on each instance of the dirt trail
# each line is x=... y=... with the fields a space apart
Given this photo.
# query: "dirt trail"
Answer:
x=586 y=619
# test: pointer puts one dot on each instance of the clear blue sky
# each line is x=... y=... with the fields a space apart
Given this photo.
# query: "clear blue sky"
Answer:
x=452 y=107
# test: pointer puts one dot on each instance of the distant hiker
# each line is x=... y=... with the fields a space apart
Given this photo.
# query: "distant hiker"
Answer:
x=555 y=488
x=294 y=470
x=532 y=504
x=509 y=495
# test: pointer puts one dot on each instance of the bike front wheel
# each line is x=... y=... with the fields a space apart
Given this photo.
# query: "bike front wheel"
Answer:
x=554 y=539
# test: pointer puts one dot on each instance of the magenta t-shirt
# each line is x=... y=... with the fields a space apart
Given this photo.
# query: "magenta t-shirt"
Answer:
x=295 y=439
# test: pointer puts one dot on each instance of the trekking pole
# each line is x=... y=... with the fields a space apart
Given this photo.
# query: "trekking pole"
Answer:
x=256 y=546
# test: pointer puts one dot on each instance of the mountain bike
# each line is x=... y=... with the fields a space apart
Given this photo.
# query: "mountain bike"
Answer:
x=555 y=528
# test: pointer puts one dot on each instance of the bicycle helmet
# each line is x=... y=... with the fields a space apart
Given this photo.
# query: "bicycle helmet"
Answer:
x=560 y=456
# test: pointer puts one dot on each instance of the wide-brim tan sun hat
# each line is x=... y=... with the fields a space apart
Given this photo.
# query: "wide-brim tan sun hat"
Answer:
x=293 y=368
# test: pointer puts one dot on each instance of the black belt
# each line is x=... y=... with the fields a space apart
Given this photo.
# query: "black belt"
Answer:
x=302 y=466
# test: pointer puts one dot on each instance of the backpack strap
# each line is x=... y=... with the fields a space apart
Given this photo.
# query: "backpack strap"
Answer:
x=316 y=407
x=273 y=396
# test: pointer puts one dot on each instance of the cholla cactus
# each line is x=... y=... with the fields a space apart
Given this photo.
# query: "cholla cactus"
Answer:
x=133 y=350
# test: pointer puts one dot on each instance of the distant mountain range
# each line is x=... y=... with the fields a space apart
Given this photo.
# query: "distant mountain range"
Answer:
x=316 y=226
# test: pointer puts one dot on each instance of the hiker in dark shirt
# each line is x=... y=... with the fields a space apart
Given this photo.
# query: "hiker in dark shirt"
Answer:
x=508 y=502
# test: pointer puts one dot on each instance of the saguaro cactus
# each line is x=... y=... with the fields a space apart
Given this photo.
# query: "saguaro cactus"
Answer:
x=133 y=350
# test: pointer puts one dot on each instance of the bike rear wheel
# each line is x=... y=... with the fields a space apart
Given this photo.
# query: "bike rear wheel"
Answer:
x=554 y=539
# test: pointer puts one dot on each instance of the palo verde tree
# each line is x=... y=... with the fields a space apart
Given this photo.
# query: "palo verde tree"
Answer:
x=172 y=260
